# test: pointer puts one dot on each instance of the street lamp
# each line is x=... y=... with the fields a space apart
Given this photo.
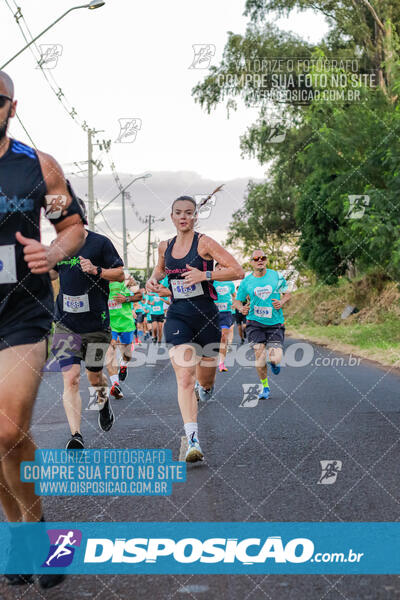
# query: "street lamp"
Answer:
x=122 y=193
x=145 y=176
x=91 y=5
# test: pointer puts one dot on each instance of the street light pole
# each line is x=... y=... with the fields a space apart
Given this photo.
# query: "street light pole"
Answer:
x=149 y=218
x=90 y=180
x=91 y=5
x=124 y=241
x=145 y=176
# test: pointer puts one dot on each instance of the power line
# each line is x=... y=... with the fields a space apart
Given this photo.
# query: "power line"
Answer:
x=105 y=145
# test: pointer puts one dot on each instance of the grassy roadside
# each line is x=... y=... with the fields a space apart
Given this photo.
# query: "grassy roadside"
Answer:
x=315 y=312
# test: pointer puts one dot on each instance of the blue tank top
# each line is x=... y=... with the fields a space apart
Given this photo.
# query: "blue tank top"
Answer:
x=185 y=299
x=22 y=191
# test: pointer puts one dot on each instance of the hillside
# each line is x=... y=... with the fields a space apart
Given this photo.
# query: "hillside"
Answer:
x=373 y=332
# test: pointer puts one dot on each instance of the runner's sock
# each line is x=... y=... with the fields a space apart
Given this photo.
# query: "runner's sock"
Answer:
x=114 y=379
x=265 y=382
x=191 y=428
x=124 y=363
x=140 y=334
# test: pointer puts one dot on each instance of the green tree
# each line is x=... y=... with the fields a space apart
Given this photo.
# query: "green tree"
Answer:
x=332 y=150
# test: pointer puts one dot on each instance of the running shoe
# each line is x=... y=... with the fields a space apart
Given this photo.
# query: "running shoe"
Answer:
x=194 y=452
x=18 y=539
x=123 y=372
x=116 y=391
x=264 y=394
x=48 y=581
x=202 y=394
x=76 y=442
x=154 y=340
x=106 y=417
x=276 y=369
x=15 y=579
x=222 y=368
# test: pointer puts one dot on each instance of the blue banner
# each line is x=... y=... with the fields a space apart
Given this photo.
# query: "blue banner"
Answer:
x=210 y=548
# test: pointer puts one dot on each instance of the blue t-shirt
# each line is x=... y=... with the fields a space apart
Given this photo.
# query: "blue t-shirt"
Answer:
x=158 y=307
x=139 y=307
x=224 y=289
x=262 y=290
x=164 y=281
x=82 y=303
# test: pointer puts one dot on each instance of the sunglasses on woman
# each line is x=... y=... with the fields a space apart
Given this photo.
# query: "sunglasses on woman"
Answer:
x=3 y=100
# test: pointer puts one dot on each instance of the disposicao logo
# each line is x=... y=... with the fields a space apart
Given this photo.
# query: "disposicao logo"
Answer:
x=62 y=547
x=190 y=550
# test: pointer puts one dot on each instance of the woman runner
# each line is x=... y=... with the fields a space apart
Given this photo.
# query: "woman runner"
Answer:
x=192 y=324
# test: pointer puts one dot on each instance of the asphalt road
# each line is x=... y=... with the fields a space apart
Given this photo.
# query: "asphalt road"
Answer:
x=262 y=464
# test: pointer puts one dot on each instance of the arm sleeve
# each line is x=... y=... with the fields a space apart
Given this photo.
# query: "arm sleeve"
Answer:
x=282 y=285
x=242 y=291
x=110 y=258
x=55 y=211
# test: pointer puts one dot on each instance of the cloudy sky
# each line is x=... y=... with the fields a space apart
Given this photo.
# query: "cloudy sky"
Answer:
x=130 y=60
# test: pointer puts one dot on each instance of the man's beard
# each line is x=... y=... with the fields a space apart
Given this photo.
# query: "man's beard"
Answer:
x=3 y=126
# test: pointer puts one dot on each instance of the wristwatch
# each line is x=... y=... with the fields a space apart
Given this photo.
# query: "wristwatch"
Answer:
x=99 y=271
x=208 y=275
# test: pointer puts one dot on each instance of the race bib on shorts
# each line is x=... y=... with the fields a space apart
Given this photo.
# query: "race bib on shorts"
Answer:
x=222 y=306
x=76 y=304
x=182 y=290
x=263 y=311
x=112 y=305
x=8 y=268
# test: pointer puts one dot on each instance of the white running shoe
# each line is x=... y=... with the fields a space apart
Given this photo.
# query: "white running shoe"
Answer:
x=194 y=452
x=202 y=394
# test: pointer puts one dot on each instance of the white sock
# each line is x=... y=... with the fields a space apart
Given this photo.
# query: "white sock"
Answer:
x=124 y=363
x=114 y=379
x=191 y=428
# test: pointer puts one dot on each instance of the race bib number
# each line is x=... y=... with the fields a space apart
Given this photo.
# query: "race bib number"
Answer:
x=76 y=304
x=8 y=268
x=263 y=311
x=157 y=309
x=112 y=305
x=180 y=290
x=222 y=306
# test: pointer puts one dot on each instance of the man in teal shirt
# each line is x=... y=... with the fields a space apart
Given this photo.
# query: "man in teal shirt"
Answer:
x=226 y=294
x=265 y=329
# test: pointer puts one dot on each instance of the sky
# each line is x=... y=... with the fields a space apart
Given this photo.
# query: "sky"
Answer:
x=130 y=61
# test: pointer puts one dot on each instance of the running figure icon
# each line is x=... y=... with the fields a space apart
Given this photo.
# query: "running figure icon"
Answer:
x=62 y=549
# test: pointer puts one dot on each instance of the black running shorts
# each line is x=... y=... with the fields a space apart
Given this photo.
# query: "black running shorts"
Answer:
x=240 y=319
x=157 y=318
x=202 y=331
x=24 y=332
x=270 y=335
x=71 y=348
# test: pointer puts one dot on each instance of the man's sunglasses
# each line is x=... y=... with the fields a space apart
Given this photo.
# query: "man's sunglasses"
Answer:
x=257 y=258
x=3 y=100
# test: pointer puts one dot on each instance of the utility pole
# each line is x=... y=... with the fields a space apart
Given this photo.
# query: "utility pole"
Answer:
x=149 y=220
x=124 y=241
x=99 y=166
x=90 y=179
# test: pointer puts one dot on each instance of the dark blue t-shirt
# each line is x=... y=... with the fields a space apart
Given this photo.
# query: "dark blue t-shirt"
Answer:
x=82 y=303
x=23 y=295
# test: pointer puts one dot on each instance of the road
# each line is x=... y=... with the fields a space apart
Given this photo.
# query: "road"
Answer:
x=262 y=464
